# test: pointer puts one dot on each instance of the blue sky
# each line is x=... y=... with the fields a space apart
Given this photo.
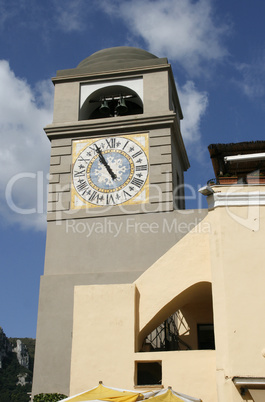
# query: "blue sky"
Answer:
x=217 y=52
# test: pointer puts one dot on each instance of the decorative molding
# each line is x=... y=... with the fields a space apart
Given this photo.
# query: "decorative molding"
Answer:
x=75 y=74
x=235 y=199
x=85 y=127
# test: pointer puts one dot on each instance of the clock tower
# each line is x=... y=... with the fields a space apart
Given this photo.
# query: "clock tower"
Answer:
x=116 y=184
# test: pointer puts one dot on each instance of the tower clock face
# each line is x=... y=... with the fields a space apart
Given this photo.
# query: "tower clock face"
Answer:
x=110 y=171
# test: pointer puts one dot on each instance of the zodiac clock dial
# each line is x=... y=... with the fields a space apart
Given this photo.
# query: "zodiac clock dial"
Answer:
x=110 y=171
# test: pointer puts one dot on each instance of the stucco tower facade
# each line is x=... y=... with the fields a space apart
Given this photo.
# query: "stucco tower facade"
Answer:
x=116 y=177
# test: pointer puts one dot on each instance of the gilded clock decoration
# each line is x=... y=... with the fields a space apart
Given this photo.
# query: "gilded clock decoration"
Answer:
x=110 y=171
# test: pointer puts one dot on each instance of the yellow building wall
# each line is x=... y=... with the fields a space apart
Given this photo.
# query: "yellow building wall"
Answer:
x=103 y=347
x=183 y=266
x=108 y=318
x=103 y=337
x=225 y=249
x=238 y=274
x=190 y=372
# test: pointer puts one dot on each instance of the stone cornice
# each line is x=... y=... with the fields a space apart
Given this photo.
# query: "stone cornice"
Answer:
x=79 y=75
x=218 y=199
x=109 y=124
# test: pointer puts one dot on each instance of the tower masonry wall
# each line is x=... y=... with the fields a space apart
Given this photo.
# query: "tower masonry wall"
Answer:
x=89 y=244
x=115 y=243
x=162 y=150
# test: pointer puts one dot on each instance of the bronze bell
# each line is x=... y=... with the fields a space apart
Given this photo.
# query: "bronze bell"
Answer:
x=121 y=107
x=104 y=108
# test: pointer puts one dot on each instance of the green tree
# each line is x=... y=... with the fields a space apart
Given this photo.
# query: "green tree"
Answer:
x=10 y=391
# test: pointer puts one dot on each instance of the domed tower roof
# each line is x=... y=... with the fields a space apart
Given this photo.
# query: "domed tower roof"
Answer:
x=116 y=55
x=115 y=58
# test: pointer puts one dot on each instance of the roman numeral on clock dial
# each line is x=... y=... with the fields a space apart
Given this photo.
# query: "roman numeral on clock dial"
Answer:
x=126 y=195
x=137 y=182
x=141 y=167
x=80 y=173
x=137 y=154
x=82 y=185
x=93 y=195
x=110 y=199
x=125 y=144
x=111 y=142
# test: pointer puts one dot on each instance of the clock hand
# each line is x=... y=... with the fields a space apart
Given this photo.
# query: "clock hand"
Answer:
x=103 y=161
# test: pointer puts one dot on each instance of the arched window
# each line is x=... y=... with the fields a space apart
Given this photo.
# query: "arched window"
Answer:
x=111 y=101
x=189 y=327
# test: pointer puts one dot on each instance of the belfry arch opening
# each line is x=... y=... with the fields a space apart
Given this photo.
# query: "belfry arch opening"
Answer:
x=111 y=101
x=185 y=323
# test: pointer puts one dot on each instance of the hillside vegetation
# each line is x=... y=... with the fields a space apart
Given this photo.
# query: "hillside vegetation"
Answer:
x=15 y=379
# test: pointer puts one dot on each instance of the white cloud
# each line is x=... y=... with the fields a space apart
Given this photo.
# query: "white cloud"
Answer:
x=182 y=30
x=252 y=78
x=70 y=15
x=194 y=104
x=24 y=148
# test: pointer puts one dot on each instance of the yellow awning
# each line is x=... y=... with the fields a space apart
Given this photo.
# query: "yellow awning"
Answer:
x=171 y=396
x=103 y=393
x=166 y=397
